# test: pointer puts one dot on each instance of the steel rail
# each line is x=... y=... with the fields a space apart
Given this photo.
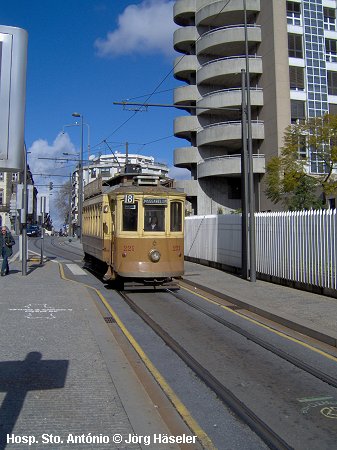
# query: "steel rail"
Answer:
x=273 y=440
x=276 y=351
x=52 y=243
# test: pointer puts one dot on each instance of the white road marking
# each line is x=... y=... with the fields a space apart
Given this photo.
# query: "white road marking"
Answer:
x=75 y=269
x=39 y=311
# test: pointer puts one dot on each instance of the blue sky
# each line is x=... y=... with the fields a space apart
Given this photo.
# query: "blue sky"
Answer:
x=82 y=56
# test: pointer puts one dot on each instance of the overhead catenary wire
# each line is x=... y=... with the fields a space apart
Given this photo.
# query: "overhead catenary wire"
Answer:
x=156 y=88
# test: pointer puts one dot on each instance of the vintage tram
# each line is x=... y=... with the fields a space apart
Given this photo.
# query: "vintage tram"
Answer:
x=133 y=228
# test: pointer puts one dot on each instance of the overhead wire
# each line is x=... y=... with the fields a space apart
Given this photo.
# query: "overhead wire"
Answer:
x=156 y=88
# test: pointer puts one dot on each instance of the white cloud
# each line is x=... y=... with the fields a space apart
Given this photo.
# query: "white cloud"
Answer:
x=42 y=149
x=179 y=174
x=144 y=28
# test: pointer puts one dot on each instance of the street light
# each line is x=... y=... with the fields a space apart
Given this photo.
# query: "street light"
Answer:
x=76 y=124
x=80 y=178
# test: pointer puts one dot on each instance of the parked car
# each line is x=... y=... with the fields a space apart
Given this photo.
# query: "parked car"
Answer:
x=33 y=230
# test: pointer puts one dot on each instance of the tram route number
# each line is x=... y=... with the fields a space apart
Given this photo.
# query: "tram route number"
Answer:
x=176 y=248
x=129 y=198
x=129 y=248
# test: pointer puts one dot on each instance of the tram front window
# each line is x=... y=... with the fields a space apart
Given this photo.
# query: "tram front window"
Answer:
x=130 y=217
x=176 y=216
x=154 y=218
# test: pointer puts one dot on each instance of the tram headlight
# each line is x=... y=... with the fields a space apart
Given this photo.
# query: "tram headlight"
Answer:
x=154 y=255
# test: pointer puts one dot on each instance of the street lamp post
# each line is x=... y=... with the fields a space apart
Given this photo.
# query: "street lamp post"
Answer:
x=80 y=178
x=76 y=124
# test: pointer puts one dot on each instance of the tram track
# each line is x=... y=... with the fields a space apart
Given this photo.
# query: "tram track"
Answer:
x=262 y=343
x=57 y=250
x=272 y=439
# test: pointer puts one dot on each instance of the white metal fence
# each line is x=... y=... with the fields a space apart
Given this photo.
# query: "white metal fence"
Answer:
x=296 y=246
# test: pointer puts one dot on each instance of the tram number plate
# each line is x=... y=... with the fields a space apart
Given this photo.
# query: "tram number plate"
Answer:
x=129 y=248
x=176 y=248
x=129 y=198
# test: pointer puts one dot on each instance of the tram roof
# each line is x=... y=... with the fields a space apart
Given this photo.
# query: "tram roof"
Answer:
x=152 y=190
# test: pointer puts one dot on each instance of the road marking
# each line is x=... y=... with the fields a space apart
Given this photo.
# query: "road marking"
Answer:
x=39 y=311
x=206 y=442
x=261 y=325
x=75 y=269
x=329 y=412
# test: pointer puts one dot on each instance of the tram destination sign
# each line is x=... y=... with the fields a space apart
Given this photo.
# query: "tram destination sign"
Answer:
x=155 y=201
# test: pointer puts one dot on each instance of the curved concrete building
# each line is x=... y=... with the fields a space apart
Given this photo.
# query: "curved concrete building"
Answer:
x=281 y=40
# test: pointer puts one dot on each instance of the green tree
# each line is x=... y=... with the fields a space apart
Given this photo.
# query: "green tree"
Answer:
x=310 y=146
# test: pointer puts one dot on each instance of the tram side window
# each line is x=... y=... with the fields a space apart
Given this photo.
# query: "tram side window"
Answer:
x=154 y=218
x=130 y=217
x=176 y=216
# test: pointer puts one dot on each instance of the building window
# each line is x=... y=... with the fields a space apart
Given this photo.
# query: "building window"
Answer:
x=295 y=48
x=332 y=108
x=297 y=111
x=302 y=148
x=294 y=13
x=15 y=176
x=296 y=76
x=1 y=176
x=332 y=83
x=330 y=50
x=1 y=197
x=317 y=164
x=105 y=172
x=330 y=19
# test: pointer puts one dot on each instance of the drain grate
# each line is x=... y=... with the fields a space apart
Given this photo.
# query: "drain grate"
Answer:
x=109 y=320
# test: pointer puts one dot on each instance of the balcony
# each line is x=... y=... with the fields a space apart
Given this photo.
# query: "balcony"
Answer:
x=228 y=41
x=228 y=134
x=184 y=38
x=186 y=95
x=228 y=98
x=227 y=71
x=184 y=11
x=222 y=11
x=185 y=156
x=184 y=126
x=190 y=187
x=228 y=165
x=185 y=66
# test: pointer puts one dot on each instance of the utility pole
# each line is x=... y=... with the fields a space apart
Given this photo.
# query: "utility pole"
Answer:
x=69 y=221
x=244 y=183
x=24 y=216
x=252 y=248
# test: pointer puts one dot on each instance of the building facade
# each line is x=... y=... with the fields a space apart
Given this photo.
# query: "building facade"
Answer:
x=107 y=166
x=8 y=196
x=292 y=53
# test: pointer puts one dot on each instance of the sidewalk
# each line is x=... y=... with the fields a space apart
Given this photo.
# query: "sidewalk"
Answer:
x=311 y=314
x=62 y=374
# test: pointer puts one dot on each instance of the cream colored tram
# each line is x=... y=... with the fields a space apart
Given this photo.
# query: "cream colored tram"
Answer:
x=134 y=228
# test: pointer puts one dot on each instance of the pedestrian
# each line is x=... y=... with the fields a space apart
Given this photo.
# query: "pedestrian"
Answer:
x=6 y=244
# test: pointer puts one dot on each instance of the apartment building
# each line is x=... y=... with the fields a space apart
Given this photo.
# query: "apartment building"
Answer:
x=292 y=52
